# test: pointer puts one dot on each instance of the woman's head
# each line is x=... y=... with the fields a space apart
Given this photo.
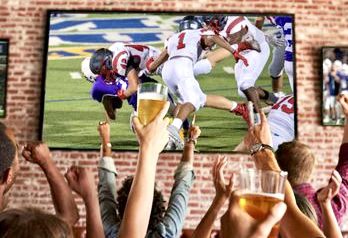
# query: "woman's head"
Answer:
x=32 y=222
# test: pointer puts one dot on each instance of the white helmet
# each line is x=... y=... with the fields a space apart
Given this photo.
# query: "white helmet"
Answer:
x=86 y=71
x=337 y=64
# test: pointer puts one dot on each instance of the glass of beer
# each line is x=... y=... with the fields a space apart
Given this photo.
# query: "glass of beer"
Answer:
x=259 y=191
x=151 y=100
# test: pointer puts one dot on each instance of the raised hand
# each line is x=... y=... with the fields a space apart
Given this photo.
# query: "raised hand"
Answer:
x=259 y=133
x=326 y=194
x=153 y=136
x=81 y=181
x=236 y=223
x=193 y=133
x=223 y=190
x=37 y=153
x=104 y=132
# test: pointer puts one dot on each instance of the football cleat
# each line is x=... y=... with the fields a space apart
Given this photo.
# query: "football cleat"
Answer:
x=175 y=142
x=242 y=110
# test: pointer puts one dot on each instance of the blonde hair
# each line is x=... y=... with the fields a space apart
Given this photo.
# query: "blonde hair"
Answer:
x=298 y=159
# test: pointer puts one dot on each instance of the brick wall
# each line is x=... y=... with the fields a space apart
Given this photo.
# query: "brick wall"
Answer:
x=318 y=23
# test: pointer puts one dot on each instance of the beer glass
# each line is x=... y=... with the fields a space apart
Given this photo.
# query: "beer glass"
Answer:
x=151 y=100
x=259 y=191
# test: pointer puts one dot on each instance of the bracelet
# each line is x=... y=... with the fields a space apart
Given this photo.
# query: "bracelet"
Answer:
x=188 y=140
x=260 y=147
x=108 y=145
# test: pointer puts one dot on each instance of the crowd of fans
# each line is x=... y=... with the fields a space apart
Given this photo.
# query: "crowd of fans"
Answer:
x=137 y=209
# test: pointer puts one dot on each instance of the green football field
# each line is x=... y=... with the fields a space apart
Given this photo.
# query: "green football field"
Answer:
x=71 y=117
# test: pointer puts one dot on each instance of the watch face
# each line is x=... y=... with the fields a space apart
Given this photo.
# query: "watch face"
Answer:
x=256 y=148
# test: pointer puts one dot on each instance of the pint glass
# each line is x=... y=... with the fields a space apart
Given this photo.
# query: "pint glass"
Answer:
x=259 y=191
x=151 y=99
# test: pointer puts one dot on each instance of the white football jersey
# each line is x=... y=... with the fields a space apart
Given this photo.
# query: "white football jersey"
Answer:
x=186 y=44
x=136 y=53
x=281 y=120
x=236 y=23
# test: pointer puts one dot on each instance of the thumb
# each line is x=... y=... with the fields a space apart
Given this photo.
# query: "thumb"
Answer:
x=137 y=124
x=263 y=118
x=275 y=215
x=329 y=194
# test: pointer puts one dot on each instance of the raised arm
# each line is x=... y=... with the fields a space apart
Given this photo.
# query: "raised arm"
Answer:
x=63 y=201
x=152 y=139
x=330 y=226
x=173 y=220
x=294 y=222
x=222 y=193
x=81 y=181
x=104 y=134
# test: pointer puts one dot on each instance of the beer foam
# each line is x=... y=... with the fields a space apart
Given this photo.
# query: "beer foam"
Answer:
x=151 y=96
x=279 y=196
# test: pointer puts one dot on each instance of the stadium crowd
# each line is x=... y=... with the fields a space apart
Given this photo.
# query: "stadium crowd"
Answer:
x=137 y=209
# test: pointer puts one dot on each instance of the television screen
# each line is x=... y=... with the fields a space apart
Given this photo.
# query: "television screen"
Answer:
x=3 y=75
x=222 y=69
x=335 y=82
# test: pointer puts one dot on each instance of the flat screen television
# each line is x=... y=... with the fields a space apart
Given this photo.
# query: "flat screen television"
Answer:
x=4 y=45
x=71 y=112
x=334 y=82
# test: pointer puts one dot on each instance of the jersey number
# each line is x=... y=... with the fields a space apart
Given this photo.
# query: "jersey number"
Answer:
x=286 y=105
x=181 y=41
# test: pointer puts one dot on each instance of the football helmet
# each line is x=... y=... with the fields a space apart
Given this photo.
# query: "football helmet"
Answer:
x=86 y=71
x=101 y=57
x=337 y=64
x=217 y=22
x=190 y=23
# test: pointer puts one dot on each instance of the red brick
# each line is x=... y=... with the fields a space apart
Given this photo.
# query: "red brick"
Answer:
x=318 y=23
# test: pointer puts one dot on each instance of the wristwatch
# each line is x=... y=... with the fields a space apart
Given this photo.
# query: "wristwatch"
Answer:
x=108 y=145
x=258 y=147
x=194 y=141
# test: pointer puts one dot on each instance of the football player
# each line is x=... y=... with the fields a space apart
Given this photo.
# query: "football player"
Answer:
x=182 y=52
x=284 y=23
x=281 y=122
x=335 y=76
x=275 y=38
x=121 y=66
x=248 y=42
x=327 y=65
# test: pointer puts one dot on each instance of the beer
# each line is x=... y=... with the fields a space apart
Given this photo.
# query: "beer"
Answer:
x=258 y=206
x=149 y=105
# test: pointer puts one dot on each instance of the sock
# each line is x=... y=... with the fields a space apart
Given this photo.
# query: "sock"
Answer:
x=177 y=122
x=234 y=105
x=202 y=67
